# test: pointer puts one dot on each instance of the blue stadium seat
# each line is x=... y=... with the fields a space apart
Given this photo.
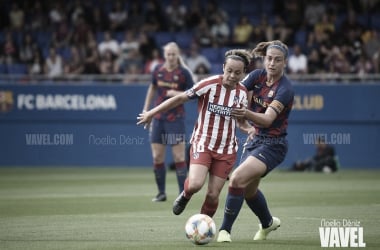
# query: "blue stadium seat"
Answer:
x=119 y=36
x=231 y=7
x=222 y=52
x=216 y=68
x=364 y=20
x=339 y=19
x=65 y=53
x=163 y=38
x=375 y=21
x=45 y=52
x=2 y=37
x=43 y=38
x=212 y=54
x=184 y=39
x=267 y=6
x=251 y=8
x=99 y=36
x=17 y=69
x=300 y=38
x=3 y=69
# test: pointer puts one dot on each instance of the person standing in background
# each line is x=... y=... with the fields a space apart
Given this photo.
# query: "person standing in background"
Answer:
x=169 y=78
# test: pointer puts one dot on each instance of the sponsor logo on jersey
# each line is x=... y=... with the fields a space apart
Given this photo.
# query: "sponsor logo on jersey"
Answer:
x=219 y=109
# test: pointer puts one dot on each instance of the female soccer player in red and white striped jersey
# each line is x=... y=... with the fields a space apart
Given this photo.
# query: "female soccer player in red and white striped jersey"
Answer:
x=213 y=143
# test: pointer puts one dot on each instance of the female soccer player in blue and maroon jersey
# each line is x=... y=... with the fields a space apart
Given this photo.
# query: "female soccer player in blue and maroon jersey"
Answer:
x=168 y=128
x=271 y=98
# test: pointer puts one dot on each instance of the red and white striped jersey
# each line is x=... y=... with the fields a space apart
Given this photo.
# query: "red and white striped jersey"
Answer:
x=215 y=129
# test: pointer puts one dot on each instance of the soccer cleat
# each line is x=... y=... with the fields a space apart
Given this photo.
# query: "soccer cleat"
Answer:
x=263 y=232
x=223 y=236
x=179 y=204
x=160 y=197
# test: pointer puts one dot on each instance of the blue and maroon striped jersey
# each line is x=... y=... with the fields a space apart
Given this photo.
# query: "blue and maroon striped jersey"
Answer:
x=280 y=94
x=179 y=79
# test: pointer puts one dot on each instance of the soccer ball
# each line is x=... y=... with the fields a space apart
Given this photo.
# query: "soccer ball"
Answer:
x=200 y=229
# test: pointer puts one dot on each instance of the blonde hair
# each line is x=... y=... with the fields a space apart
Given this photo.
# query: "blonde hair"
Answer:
x=261 y=49
x=181 y=62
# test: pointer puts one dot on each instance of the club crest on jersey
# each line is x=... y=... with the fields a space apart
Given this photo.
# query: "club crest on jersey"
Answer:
x=236 y=100
x=175 y=78
x=270 y=93
x=6 y=101
x=190 y=93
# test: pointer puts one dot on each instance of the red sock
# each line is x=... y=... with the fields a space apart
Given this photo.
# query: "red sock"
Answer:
x=209 y=208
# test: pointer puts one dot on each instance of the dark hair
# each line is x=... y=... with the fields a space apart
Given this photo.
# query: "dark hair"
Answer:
x=261 y=48
x=239 y=54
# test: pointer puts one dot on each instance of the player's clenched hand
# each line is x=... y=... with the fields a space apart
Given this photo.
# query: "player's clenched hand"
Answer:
x=144 y=118
x=238 y=113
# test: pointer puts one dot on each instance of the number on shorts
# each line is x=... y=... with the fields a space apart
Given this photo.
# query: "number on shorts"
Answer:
x=198 y=148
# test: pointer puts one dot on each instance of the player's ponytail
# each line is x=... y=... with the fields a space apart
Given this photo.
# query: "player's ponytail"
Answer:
x=261 y=48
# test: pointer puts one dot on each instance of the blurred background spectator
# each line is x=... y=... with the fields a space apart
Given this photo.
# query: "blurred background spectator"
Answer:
x=197 y=62
x=220 y=32
x=297 y=63
x=242 y=32
x=109 y=44
x=117 y=16
x=334 y=36
x=16 y=17
x=10 y=49
x=107 y=63
x=74 y=66
x=53 y=67
x=151 y=63
x=129 y=51
x=176 y=15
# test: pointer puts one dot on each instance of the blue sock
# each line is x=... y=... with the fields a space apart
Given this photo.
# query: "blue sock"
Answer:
x=181 y=171
x=234 y=202
x=259 y=206
x=160 y=176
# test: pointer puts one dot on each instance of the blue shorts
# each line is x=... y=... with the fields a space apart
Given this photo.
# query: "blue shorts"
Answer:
x=270 y=150
x=168 y=133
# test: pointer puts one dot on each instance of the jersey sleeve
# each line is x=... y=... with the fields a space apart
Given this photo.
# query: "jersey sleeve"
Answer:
x=284 y=97
x=198 y=89
x=189 y=79
x=154 y=75
x=250 y=79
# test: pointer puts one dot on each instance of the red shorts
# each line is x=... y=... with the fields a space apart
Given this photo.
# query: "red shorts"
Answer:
x=219 y=164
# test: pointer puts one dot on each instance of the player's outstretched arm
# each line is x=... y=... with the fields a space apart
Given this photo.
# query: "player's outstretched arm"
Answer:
x=145 y=118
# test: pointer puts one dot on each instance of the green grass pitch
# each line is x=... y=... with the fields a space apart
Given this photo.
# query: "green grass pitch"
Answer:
x=111 y=208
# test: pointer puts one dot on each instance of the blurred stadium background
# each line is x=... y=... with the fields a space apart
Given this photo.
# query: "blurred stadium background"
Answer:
x=70 y=97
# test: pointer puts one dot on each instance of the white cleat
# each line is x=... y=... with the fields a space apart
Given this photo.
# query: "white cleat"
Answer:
x=263 y=232
x=224 y=236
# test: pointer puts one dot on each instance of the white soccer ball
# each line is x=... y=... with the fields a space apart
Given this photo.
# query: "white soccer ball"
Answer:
x=200 y=229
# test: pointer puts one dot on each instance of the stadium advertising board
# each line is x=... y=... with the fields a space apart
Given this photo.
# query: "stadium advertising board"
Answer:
x=95 y=125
